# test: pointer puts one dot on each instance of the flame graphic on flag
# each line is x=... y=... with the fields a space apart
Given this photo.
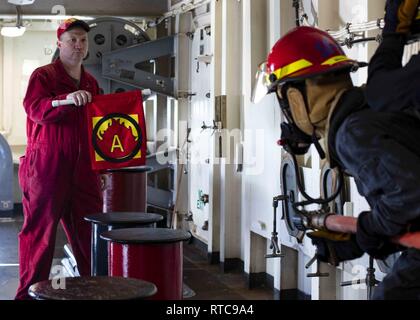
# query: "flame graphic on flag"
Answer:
x=104 y=127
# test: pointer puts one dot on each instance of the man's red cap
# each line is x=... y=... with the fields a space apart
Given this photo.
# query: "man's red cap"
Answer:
x=71 y=23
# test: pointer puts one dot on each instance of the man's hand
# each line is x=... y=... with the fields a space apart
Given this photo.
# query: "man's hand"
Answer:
x=80 y=97
x=399 y=15
x=334 y=248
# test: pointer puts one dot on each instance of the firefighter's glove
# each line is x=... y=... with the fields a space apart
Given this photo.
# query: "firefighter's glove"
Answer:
x=334 y=248
x=401 y=17
x=377 y=246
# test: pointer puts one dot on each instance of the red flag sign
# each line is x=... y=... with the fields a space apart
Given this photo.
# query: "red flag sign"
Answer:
x=117 y=130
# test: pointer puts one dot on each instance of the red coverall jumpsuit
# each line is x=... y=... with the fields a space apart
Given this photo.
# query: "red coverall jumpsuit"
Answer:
x=55 y=175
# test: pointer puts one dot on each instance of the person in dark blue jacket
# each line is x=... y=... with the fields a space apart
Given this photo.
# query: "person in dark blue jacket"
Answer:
x=372 y=135
x=393 y=91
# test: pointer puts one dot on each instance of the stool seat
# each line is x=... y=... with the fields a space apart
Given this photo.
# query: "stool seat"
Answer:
x=130 y=169
x=145 y=236
x=93 y=288
x=124 y=218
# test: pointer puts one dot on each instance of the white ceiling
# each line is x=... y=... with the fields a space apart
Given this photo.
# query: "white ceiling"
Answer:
x=131 y=8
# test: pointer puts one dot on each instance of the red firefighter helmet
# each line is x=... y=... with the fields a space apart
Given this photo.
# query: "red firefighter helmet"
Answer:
x=302 y=53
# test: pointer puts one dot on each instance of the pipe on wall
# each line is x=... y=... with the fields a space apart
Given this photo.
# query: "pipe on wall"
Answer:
x=6 y=178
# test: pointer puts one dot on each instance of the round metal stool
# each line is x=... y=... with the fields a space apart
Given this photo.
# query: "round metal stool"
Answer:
x=92 y=288
x=151 y=254
x=114 y=220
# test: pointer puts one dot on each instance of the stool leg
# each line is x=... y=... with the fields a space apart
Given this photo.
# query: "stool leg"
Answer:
x=99 y=263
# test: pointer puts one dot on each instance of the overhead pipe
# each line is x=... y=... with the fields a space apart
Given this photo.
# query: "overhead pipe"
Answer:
x=350 y=29
x=10 y=17
x=6 y=178
x=181 y=8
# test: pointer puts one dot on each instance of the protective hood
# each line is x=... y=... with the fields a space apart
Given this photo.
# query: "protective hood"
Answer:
x=322 y=94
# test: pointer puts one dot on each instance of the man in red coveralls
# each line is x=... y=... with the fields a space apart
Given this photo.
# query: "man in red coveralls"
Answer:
x=55 y=174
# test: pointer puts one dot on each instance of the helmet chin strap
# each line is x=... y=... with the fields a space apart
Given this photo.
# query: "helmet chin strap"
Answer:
x=318 y=146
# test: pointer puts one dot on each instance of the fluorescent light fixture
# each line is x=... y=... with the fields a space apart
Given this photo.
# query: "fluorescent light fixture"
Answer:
x=21 y=2
x=12 y=31
x=16 y=30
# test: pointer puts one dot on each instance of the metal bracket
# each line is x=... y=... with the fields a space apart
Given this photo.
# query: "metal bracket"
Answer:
x=318 y=273
x=123 y=65
x=274 y=245
x=370 y=280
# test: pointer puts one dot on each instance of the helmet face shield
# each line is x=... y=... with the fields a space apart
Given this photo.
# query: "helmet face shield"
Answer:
x=261 y=84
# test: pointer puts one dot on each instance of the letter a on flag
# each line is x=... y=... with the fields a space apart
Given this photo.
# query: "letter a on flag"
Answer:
x=117 y=130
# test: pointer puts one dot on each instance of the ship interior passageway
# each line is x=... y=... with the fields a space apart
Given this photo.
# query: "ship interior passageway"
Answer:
x=209 y=150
